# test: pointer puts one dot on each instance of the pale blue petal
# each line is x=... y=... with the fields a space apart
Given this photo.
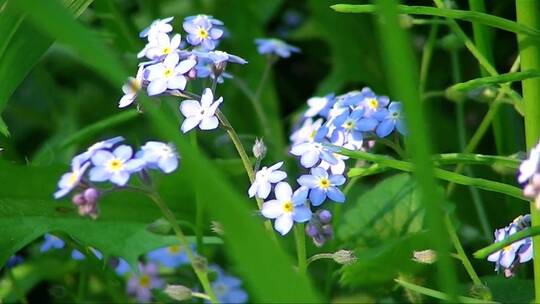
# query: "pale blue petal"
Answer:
x=317 y=196
x=336 y=195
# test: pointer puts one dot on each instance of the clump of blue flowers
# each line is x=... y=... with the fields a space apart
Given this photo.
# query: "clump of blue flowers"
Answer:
x=115 y=163
x=516 y=253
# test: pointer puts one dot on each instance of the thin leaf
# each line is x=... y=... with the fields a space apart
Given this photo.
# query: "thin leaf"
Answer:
x=494 y=80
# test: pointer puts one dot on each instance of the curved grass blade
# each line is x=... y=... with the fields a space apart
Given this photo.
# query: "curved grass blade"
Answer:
x=494 y=80
x=525 y=233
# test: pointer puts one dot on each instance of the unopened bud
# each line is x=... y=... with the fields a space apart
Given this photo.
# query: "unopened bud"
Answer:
x=192 y=74
x=406 y=21
x=311 y=230
x=529 y=191
x=425 y=256
x=344 y=257
x=217 y=228
x=535 y=181
x=200 y=263
x=325 y=216
x=78 y=199
x=259 y=149
x=91 y=195
x=178 y=292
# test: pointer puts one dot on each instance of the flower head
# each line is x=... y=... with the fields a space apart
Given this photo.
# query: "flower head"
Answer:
x=201 y=31
x=141 y=285
x=202 y=114
x=261 y=186
x=308 y=132
x=70 y=180
x=131 y=88
x=275 y=47
x=51 y=242
x=228 y=289
x=319 y=105
x=392 y=119
x=169 y=74
x=162 y=46
x=158 y=26
x=287 y=208
x=312 y=152
x=172 y=256
x=321 y=185
x=115 y=166
x=101 y=145
x=159 y=155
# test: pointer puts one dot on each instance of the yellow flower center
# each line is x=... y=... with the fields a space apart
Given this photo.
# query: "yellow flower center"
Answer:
x=135 y=85
x=203 y=34
x=73 y=178
x=312 y=134
x=349 y=125
x=288 y=207
x=144 y=281
x=166 y=50
x=373 y=103
x=168 y=73
x=174 y=249
x=324 y=183
x=507 y=248
x=115 y=165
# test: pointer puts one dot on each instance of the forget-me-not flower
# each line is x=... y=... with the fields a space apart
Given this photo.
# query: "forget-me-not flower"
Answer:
x=264 y=178
x=308 y=132
x=210 y=18
x=374 y=106
x=70 y=180
x=202 y=114
x=275 y=47
x=101 y=145
x=131 y=88
x=163 y=46
x=141 y=285
x=168 y=74
x=287 y=208
x=312 y=152
x=172 y=256
x=159 y=155
x=51 y=241
x=116 y=166
x=319 y=106
x=122 y=267
x=79 y=256
x=393 y=119
x=201 y=32
x=228 y=289
x=158 y=26
x=321 y=185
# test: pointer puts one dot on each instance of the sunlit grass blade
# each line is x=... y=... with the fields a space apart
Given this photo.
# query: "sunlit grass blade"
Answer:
x=486 y=19
x=494 y=80
x=403 y=79
x=522 y=234
x=479 y=159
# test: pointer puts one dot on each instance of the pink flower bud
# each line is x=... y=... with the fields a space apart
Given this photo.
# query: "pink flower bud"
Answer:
x=78 y=199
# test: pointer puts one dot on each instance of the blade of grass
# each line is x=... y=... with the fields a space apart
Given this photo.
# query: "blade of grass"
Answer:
x=494 y=80
x=403 y=78
x=522 y=234
x=528 y=13
x=486 y=19
x=439 y=295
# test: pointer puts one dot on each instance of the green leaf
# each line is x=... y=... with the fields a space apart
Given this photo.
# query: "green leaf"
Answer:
x=486 y=19
x=512 y=290
x=384 y=226
x=22 y=46
x=494 y=80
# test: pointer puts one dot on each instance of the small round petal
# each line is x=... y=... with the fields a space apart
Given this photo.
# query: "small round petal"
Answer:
x=190 y=123
x=283 y=192
x=284 y=224
x=101 y=157
x=309 y=181
x=272 y=209
x=207 y=98
x=168 y=164
x=190 y=108
x=385 y=128
x=317 y=196
x=253 y=189
x=337 y=180
x=309 y=159
x=120 y=178
x=263 y=190
x=209 y=123
x=301 y=214
x=336 y=195
x=184 y=66
x=123 y=152
x=157 y=86
x=99 y=174
x=277 y=176
x=177 y=82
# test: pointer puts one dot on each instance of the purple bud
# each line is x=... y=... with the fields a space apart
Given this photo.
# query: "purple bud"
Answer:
x=325 y=216
x=91 y=195
x=311 y=230
x=327 y=231
x=192 y=74
x=78 y=199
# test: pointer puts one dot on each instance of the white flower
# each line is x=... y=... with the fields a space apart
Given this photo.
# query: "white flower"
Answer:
x=131 y=88
x=530 y=166
x=307 y=131
x=163 y=46
x=169 y=74
x=158 y=26
x=202 y=114
x=316 y=105
x=264 y=178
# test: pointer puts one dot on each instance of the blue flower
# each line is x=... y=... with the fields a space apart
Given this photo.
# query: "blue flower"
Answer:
x=312 y=152
x=101 y=145
x=159 y=155
x=162 y=46
x=168 y=74
x=201 y=32
x=353 y=123
x=157 y=26
x=78 y=256
x=14 y=260
x=261 y=186
x=70 y=180
x=218 y=57
x=530 y=166
x=51 y=242
x=210 y=18
x=122 y=267
x=141 y=285
x=202 y=114
x=392 y=120
x=374 y=106
x=116 y=166
x=228 y=289
x=319 y=106
x=309 y=131
x=287 y=208
x=322 y=185
x=172 y=256
x=275 y=47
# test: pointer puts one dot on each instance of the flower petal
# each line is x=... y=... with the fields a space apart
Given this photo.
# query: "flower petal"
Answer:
x=272 y=209
x=284 y=224
x=283 y=192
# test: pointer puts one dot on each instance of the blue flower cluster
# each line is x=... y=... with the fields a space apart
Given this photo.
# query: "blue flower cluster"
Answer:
x=346 y=121
x=172 y=62
x=529 y=175
x=111 y=161
x=516 y=253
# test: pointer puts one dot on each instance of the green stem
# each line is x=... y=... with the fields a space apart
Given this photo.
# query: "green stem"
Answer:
x=460 y=251
x=300 y=237
x=16 y=288
x=427 y=54
x=522 y=234
x=451 y=14
x=199 y=210
x=319 y=256
x=202 y=274
x=439 y=295
x=528 y=13
x=479 y=159
x=200 y=295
